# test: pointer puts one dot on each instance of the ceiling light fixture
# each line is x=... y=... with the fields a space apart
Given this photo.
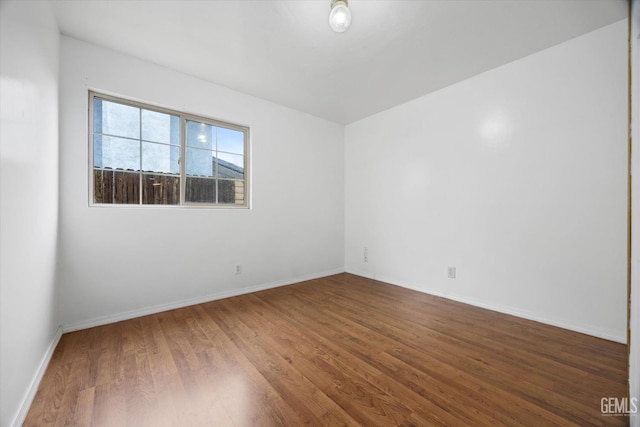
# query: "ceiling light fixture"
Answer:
x=340 y=16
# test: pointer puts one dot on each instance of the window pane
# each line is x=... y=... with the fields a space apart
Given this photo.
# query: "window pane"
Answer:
x=231 y=192
x=97 y=115
x=160 y=127
x=160 y=158
x=199 y=162
x=160 y=189
x=116 y=153
x=200 y=190
x=102 y=186
x=231 y=141
x=200 y=135
x=230 y=166
x=116 y=119
x=97 y=151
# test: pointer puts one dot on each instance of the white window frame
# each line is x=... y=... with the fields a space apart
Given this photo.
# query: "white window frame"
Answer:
x=184 y=117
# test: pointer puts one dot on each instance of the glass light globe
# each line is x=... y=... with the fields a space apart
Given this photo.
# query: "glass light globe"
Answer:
x=340 y=17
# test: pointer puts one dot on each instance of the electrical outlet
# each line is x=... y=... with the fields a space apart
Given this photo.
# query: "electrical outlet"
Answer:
x=451 y=272
x=238 y=268
x=365 y=254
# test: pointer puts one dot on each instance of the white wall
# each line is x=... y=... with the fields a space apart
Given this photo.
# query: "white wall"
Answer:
x=634 y=321
x=117 y=262
x=29 y=199
x=517 y=177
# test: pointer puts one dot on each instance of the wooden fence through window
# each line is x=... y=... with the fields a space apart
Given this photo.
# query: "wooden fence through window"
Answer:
x=123 y=187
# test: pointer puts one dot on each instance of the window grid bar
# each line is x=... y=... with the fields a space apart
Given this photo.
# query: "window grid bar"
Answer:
x=110 y=135
x=140 y=180
x=183 y=161
x=215 y=164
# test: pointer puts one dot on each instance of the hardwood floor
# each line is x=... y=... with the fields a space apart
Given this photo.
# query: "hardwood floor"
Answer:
x=342 y=350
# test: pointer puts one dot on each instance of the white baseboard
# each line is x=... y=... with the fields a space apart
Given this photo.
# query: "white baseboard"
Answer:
x=588 y=330
x=30 y=394
x=118 y=317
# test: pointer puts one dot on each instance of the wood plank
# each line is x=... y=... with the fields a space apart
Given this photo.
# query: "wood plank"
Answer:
x=342 y=350
x=84 y=409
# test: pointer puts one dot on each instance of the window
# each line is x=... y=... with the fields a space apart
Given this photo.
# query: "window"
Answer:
x=138 y=151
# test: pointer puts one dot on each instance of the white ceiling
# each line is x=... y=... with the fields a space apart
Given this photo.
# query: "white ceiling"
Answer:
x=285 y=52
